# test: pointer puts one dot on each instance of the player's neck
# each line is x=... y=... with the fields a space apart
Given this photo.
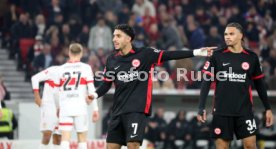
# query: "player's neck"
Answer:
x=236 y=48
x=74 y=59
x=127 y=49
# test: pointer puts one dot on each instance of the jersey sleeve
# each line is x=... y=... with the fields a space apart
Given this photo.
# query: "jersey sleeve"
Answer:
x=90 y=80
x=39 y=77
x=209 y=67
x=154 y=55
x=257 y=72
x=109 y=73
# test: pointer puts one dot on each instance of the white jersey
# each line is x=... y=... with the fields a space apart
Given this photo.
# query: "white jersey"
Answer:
x=76 y=83
x=50 y=91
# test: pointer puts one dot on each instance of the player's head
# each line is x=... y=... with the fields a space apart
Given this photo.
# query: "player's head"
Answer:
x=233 y=34
x=122 y=36
x=75 y=50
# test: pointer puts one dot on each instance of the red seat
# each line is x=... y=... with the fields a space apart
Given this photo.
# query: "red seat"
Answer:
x=24 y=45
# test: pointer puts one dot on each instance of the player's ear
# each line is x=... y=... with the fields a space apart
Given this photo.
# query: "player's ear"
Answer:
x=128 y=38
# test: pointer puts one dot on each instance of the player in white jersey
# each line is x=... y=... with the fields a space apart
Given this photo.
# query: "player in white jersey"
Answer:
x=76 y=83
x=48 y=104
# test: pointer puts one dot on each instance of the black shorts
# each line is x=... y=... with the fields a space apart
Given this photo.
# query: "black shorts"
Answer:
x=225 y=126
x=129 y=127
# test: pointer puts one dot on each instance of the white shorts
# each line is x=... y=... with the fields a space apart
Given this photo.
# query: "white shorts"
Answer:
x=80 y=123
x=48 y=119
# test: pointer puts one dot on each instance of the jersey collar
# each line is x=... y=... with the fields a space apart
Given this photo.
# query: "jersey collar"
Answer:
x=243 y=51
x=72 y=61
x=119 y=53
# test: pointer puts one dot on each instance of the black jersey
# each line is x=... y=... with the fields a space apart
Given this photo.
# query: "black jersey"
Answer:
x=132 y=76
x=233 y=73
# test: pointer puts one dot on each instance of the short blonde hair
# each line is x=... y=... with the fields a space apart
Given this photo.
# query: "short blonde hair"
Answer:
x=75 y=48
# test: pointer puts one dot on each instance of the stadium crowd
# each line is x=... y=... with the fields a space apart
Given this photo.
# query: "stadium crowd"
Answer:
x=37 y=33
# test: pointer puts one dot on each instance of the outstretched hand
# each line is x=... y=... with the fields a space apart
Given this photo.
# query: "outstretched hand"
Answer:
x=209 y=50
x=204 y=51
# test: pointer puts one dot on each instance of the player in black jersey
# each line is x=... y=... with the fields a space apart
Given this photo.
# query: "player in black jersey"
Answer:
x=131 y=69
x=234 y=69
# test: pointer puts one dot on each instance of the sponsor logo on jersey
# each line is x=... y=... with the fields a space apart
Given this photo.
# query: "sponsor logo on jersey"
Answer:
x=245 y=65
x=235 y=77
x=127 y=77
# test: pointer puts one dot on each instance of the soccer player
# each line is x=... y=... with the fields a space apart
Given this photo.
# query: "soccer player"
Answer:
x=234 y=69
x=131 y=70
x=76 y=83
x=48 y=104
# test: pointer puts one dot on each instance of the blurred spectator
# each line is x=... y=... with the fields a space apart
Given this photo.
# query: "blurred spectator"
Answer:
x=55 y=10
x=22 y=29
x=272 y=61
x=111 y=19
x=272 y=81
x=140 y=7
x=179 y=16
x=75 y=26
x=179 y=134
x=40 y=25
x=201 y=131
x=66 y=36
x=33 y=52
x=113 y=5
x=147 y=20
x=213 y=39
x=236 y=16
x=84 y=35
x=252 y=33
x=100 y=36
x=123 y=15
x=31 y=7
x=8 y=122
x=168 y=36
x=9 y=19
x=197 y=37
x=56 y=45
x=156 y=132
x=89 y=11
x=153 y=35
x=201 y=16
x=44 y=59
x=272 y=40
x=4 y=93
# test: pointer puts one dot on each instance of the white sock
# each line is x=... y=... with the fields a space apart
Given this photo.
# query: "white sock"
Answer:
x=82 y=145
x=43 y=146
x=65 y=145
x=57 y=146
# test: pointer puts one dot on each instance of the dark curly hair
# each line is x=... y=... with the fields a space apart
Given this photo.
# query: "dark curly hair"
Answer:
x=126 y=29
